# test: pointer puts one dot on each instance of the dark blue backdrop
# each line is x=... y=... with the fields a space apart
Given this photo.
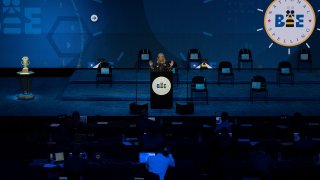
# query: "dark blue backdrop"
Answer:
x=59 y=33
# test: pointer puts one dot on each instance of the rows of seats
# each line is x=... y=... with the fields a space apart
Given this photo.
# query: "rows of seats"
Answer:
x=260 y=147
x=225 y=70
x=245 y=56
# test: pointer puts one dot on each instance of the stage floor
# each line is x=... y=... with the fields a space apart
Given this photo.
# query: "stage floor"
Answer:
x=56 y=96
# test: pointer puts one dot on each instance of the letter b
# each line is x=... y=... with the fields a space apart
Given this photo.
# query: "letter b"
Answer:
x=279 y=20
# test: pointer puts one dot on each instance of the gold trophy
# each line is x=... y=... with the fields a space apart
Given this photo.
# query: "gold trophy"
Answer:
x=25 y=62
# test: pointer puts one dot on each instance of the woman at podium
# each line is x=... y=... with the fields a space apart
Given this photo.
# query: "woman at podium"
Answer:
x=161 y=64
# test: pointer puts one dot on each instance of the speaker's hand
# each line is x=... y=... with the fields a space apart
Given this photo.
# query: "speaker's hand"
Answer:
x=171 y=63
x=150 y=63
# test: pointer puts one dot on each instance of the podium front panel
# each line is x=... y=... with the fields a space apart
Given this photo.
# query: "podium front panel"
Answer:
x=161 y=90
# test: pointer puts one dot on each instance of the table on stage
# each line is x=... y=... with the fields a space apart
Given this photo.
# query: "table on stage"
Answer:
x=25 y=85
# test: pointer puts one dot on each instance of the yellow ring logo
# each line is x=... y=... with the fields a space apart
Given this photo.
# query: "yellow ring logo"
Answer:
x=289 y=22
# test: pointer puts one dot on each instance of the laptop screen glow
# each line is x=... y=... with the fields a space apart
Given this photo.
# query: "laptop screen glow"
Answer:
x=143 y=156
x=59 y=156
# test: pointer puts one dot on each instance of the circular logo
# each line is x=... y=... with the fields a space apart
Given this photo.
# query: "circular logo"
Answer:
x=289 y=23
x=94 y=18
x=161 y=85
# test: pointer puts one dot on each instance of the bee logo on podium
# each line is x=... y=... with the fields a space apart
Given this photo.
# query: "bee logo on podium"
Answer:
x=161 y=85
x=289 y=23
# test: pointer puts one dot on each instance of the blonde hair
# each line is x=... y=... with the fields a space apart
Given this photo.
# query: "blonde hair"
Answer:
x=163 y=61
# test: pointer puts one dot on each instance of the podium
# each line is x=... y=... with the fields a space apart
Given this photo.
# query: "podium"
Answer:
x=25 y=85
x=161 y=90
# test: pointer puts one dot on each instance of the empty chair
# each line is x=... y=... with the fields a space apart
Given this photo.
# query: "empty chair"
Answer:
x=144 y=56
x=225 y=70
x=258 y=85
x=104 y=73
x=285 y=70
x=304 y=58
x=199 y=84
x=245 y=56
x=194 y=58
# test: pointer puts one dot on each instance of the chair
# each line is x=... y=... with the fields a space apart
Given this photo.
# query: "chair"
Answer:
x=144 y=56
x=199 y=84
x=258 y=85
x=194 y=58
x=304 y=57
x=104 y=73
x=245 y=56
x=175 y=72
x=285 y=70
x=225 y=69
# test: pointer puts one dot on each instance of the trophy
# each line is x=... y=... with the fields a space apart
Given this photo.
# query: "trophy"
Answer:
x=25 y=62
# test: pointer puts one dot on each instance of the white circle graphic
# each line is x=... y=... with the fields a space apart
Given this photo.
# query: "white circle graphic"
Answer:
x=161 y=85
x=94 y=18
x=289 y=22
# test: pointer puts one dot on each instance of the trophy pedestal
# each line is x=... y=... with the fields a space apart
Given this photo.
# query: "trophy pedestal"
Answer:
x=25 y=85
x=23 y=96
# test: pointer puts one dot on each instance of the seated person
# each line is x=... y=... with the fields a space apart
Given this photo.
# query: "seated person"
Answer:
x=74 y=121
x=259 y=161
x=297 y=122
x=152 y=138
x=224 y=140
x=159 y=163
x=76 y=166
x=224 y=122
x=161 y=64
x=303 y=146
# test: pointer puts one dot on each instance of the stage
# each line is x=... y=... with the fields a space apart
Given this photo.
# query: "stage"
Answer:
x=62 y=95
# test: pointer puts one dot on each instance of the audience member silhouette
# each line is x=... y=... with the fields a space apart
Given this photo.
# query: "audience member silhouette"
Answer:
x=297 y=122
x=159 y=163
x=259 y=161
x=76 y=165
x=224 y=122
x=303 y=146
x=152 y=138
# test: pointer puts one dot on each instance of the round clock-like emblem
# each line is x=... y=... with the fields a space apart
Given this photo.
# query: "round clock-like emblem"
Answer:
x=161 y=85
x=289 y=22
